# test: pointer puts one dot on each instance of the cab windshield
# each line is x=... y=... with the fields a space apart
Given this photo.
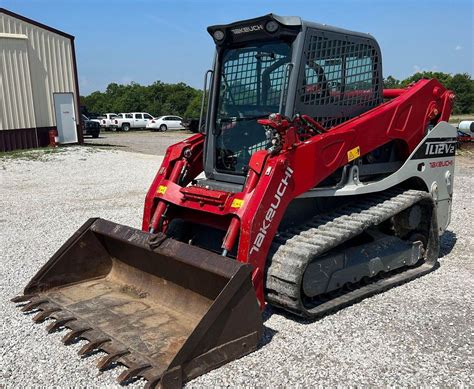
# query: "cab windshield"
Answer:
x=251 y=82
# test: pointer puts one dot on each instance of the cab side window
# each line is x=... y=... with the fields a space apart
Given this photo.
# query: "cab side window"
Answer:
x=339 y=78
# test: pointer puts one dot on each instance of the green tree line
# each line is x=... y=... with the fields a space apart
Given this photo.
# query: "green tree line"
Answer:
x=461 y=84
x=157 y=99
x=183 y=100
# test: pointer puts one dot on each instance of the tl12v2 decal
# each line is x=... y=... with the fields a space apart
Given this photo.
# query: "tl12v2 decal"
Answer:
x=436 y=148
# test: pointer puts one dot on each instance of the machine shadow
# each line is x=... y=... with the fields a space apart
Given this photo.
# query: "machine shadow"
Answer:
x=447 y=242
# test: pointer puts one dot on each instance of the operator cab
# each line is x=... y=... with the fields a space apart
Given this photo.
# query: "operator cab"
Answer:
x=281 y=64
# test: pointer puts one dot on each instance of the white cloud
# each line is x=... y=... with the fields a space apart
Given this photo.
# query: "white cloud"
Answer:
x=458 y=48
x=419 y=69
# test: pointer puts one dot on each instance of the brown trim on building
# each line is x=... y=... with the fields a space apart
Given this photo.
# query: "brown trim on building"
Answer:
x=24 y=138
x=35 y=23
x=80 y=136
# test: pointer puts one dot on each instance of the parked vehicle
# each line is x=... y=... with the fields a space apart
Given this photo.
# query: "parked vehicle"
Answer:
x=192 y=125
x=165 y=123
x=126 y=121
x=107 y=120
x=90 y=127
x=95 y=119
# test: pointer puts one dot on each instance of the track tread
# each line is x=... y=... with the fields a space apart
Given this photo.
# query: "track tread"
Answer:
x=294 y=248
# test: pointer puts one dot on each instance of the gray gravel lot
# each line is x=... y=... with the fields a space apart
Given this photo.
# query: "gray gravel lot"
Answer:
x=420 y=333
x=143 y=141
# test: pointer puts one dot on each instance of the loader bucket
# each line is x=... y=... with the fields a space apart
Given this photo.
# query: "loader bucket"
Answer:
x=166 y=310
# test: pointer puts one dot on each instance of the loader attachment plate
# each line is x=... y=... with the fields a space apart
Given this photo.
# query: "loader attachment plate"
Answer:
x=166 y=310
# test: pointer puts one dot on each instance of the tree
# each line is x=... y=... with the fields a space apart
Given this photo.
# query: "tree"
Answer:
x=180 y=99
x=461 y=84
x=463 y=87
x=194 y=108
x=391 y=83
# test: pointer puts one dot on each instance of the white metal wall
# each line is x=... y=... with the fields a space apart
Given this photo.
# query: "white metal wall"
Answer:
x=50 y=62
x=16 y=97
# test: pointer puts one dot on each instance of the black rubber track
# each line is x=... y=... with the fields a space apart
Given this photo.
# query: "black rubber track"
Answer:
x=294 y=249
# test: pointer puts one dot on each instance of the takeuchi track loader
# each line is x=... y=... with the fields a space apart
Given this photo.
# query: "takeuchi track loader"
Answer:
x=309 y=188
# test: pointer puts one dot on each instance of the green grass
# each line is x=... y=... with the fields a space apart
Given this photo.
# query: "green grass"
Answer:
x=39 y=154
x=44 y=154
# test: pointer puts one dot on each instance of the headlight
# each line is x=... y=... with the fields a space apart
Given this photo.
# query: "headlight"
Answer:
x=271 y=26
x=218 y=35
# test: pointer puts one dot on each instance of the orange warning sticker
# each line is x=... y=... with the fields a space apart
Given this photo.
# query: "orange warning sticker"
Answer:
x=353 y=154
x=237 y=203
x=161 y=189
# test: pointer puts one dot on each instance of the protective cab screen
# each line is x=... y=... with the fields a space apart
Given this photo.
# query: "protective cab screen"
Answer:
x=251 y=83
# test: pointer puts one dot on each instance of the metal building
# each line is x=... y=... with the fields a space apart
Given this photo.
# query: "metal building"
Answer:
x=38 y=84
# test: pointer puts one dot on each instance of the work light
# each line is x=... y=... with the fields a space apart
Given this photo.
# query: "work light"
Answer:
x=271 y=26
x=218 y=35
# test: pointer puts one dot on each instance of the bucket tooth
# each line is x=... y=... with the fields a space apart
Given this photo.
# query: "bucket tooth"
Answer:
x=33 y=304
x=152 y=376
x=151 y=384
x=23 y=298
x=92 y=345
x=69 y=338
x=59 y=323
x=41 y=316
x=106 y=361
x=133 y=371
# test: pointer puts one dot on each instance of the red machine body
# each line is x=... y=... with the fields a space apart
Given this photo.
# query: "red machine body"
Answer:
x=252 y=216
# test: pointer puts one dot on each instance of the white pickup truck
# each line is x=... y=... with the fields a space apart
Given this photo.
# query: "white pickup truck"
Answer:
x=107 y=120
x=126 y=121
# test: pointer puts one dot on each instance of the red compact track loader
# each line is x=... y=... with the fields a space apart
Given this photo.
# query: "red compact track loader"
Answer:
x=308 y=188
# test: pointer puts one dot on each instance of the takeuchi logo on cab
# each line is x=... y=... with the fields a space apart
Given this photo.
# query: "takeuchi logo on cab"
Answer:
x=246 y=29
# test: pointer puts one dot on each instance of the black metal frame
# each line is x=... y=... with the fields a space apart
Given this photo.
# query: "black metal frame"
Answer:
x=346 y=80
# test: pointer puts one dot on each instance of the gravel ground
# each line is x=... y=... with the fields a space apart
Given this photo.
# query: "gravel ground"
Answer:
x=420 y=333
x=143 y=141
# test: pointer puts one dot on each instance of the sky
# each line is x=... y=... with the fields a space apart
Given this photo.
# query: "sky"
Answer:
x=144 y=40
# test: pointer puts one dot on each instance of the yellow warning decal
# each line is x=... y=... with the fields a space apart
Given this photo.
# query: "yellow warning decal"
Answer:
x=353 y=154
x=161 y=189
x=237 y=203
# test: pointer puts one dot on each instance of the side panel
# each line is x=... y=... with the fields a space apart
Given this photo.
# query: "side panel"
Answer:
x=16 y=102
x=432 y=162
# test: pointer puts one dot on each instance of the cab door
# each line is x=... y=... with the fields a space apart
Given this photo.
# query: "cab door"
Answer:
x=147 y=118
x=177 y=122
x=139 y=122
